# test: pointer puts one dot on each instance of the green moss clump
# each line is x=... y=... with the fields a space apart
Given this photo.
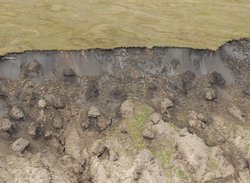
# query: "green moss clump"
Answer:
x=181 y=174
x=137 y=124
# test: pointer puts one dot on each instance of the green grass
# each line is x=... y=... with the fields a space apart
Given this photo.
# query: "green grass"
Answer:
x=76 y=24
x=165 y=155
x=137 y=123
x=181 y=174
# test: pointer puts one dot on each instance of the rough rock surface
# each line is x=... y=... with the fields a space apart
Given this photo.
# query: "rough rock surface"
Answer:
x=20 y=145
x=16 y=113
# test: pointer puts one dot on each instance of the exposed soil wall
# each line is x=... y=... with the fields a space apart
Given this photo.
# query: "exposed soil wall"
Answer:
x=126 y=115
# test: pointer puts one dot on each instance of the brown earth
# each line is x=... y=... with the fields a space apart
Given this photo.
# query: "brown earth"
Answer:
x=126 y=115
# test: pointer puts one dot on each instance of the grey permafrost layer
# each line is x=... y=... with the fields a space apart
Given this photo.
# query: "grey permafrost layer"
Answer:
x=158 y=60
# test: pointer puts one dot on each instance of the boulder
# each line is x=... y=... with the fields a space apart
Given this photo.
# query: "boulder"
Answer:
x=58 y=102
x=6 y=126
x=155 y=118
x=48 y=134
x=16 y=113
x=40 y=175
x=101 y=124
x=32 y=129
x=42 y=103
x=236 y=112
x=57 y=122
x=216 y=79
x=20 y=145
x=246 y=91
x=210 y=95
x=148 y=134
x=98 y=148
x=94 y=112
x=166 y=104
x=85 y=124
x=68 y=72
x=127 y=109
x=137 y=173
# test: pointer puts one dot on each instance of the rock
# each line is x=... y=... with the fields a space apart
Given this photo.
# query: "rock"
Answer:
x=148 y=134
x=155 y=118
x=68 y=72
x=244 y=175
x=32 y=129
x=166 y=104
x=57 y=122
x=66 y=160
x=137 y=173
x=124 y=129
x=40 y=175
x=98 y=148
x=239 y=161
x=77 y=168
x=210 y=95
x=216 y=79
x=16 y=113
x=3 y=92
x=236 y=112
x=94 y=112
x=192 y=123
x=42 y=103
x=187 y=81
x=48 y=134
x=6 y=126
x=4 y=135
x=58 y=102
x=27 y=92
x=246 y=91
x=34 y=66
x=127 y=109
x=101 y=124
x=113 y=156
x=92 y=92
x=85 y=124
x=183 y=132
x=202 y=118
x=20 y=145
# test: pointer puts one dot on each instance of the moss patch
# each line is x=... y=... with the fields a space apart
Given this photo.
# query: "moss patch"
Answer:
x=137 y=124
x=164 y=151
x=181 y=174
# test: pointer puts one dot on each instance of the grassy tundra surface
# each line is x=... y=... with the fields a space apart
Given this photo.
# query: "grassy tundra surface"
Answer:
x=81 y=24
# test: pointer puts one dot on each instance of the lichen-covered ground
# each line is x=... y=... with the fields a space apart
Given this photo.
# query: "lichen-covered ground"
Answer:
x=77 y=24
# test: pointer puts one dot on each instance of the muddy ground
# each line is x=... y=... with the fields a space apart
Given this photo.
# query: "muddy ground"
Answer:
x=126 y=115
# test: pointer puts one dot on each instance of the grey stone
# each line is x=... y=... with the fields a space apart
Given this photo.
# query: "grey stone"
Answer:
x=236 y=112
x=210 y=95
x=57 y=122
x=6 y=126
x=166 y=104
x=40 y=175
x=48 y=134
x=16 y=113
x=148 y=134
x=85 y=124
x=32 y=129
x=20 y=145
x=127 y=109
x=137 y=173
x=155 y=118
x=94 y=112
x=59 y=102
x=246 y=91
